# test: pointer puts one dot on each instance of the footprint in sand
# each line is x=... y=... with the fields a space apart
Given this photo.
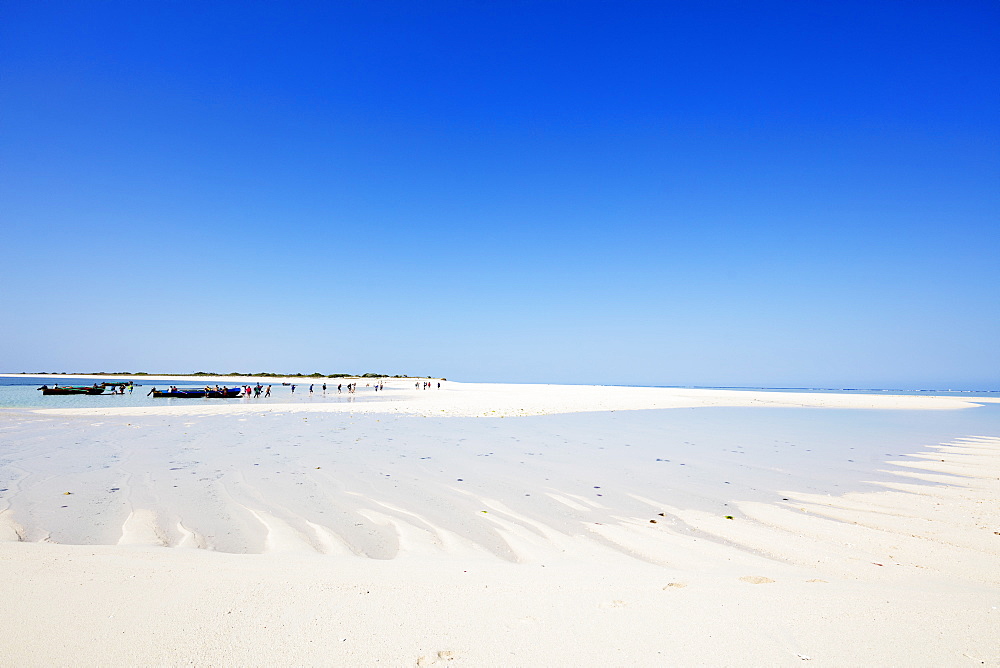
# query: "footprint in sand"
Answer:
x=675 y=585
x=756 y=579
x=443 y=656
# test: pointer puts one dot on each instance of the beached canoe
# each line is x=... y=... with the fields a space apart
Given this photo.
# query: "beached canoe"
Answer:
x=72 y=389
x=200 y=393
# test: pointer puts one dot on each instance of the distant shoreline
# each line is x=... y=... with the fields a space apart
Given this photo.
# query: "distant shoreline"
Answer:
x=302 y=378
x=216 y=376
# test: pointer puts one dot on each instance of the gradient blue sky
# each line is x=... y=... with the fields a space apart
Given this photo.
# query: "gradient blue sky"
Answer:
x=665 y=193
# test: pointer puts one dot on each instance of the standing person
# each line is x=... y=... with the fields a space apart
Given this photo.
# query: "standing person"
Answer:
x=439 y=386
x=310 y=389
x=293 y=389
x=339 y=387
x=324 y=388
x=268 y=393
x=416 y=385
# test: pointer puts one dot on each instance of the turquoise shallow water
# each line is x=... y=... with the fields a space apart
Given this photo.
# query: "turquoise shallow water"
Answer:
x=620 y=464
x=24 y=393
x=849 y=390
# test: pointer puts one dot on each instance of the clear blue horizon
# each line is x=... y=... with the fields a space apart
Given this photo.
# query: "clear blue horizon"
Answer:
x=727 y=194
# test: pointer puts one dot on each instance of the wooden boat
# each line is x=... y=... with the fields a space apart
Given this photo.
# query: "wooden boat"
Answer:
x=199 y=393
x=72 y=389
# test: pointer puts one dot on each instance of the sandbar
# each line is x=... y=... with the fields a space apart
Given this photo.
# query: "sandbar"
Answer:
x=515 y=525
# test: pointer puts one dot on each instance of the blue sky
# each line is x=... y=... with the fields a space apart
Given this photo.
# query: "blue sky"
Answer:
x=714 y=193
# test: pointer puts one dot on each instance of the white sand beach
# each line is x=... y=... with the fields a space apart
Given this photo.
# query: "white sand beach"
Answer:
x=504 y=525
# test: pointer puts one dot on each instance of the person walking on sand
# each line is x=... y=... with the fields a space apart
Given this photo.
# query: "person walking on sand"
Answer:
x=324 y=388
x=340 y=387
x=310 y=389
x=293 y=389
x=268 y=393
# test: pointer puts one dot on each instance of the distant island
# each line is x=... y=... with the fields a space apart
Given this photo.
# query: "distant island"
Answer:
x=234 y=373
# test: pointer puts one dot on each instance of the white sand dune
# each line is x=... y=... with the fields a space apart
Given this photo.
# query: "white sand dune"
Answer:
x=712 y=528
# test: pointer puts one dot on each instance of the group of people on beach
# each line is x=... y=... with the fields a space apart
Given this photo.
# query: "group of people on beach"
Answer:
x=350 y=387
x=258 y=390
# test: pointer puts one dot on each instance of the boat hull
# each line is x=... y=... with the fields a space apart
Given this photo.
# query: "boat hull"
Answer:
x=228 y=393
x=72 y=390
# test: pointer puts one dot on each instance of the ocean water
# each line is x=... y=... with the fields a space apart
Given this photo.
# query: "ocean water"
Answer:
x=24 y=393
x=847 y=390
x=610 y=466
